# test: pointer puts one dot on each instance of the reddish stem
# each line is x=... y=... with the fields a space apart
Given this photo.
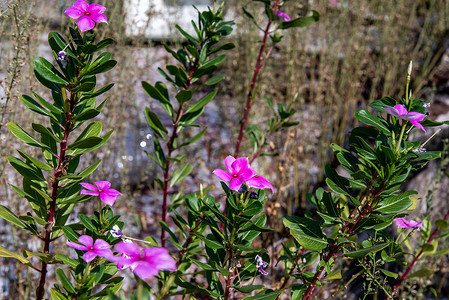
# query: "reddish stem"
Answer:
x=259 y=65
x=417 y=257
x=55 y=186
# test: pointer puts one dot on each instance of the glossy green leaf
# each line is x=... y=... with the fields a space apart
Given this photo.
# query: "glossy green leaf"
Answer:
x=25 y=169
x=65 y=281
x=24 y=136
x=154 y=92
x=196 y=106
x=365 y=251
x=155 y=123
x=307 y=232
x=9 y=216
x=184 y=96
x=367 y=118
x=6 y=253
x=267 y=294
x=301 y=22
x=180 y=173
x=37 y=163
x=46 y=70
x=396 y=203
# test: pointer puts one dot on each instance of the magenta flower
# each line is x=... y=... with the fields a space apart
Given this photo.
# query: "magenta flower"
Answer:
x=403 y=223
x=87 y=14
x=99 y=248
x=239 y=172
x=145 y=263
x=282 y=14
x=102 y=189
x=401 y=112
x=259 y=182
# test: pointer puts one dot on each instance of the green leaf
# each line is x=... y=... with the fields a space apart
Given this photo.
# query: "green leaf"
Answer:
x=389 y=273
x=210 y=243
x=155 y=123
x=87 y=222
x=25 y=169
x=184 y=95
x=45 y=131
x=154 y=93
x=202 y=265
x=180 y=173
x=396 y=203
x=6 y=253
x=248 y=288
x=186 y=35
x=265 y=295
x=214 y=61
x=366 y=117
x=34 y=106
x=301 y=22
x=253 y=210
x=307 y=232
x=365 y=251
x=24 y=136
x=196 y=106
x=70 y=234
x=46 y=70
x=423 y=272
x=65 y=281
x=194 y=138
x=86 y=143
x=9 y=216
x=214 y=80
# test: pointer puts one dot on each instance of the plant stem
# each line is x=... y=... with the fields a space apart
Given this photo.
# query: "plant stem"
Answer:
x=400 y=137
x=417 y=257
x=251 y=92
x=55 y=186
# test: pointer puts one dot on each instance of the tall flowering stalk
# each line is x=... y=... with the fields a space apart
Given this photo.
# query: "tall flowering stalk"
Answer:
x=196 y=60
x=51 y=186
x=379 y=160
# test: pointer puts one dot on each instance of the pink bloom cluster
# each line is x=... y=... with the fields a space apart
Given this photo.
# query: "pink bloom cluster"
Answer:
x=240 y=172
x=403 y=223
x=87 y=14
x=86 y=243
x=101 y=189
x=401 y=112
x=145 y=263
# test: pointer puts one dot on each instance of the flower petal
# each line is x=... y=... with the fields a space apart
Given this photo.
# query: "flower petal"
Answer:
x=106 y=253
x=101 y=244
x=99 y=18
x=223 y=175
x=241 y=164
x=89 y=186
x=103 y=185
x=401 y=109
x=160 y=257
x=89 y=256
x=81 y=5
x=73 y=13
x=259 y=182
x=392 y=111
x=86 y=192
x=247 y=174
x=107 y=198
x=96 y=8
x=86 y=240
x=414 y=122
x=144 y=270
x=129 y=249
x=401 y=222
x=85 y=23
x=228 y=162
x=77 y=246
x=235 y=184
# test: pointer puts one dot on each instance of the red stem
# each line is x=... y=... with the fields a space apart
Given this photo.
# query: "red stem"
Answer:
x=55 y=186
x=259 y=65
x=417 y=257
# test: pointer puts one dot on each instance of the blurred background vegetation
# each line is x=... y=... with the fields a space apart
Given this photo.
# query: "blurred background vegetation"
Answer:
x=357 y=52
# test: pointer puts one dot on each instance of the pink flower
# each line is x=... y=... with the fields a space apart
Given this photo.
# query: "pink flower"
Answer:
x=239 y=172
x=99 y=248
x=403 y=223
x=282 y=14
x=259 y=182
x=261 y=264
x=145 y=263
x=102 y=189
x=401 y=112
x=88 y=14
